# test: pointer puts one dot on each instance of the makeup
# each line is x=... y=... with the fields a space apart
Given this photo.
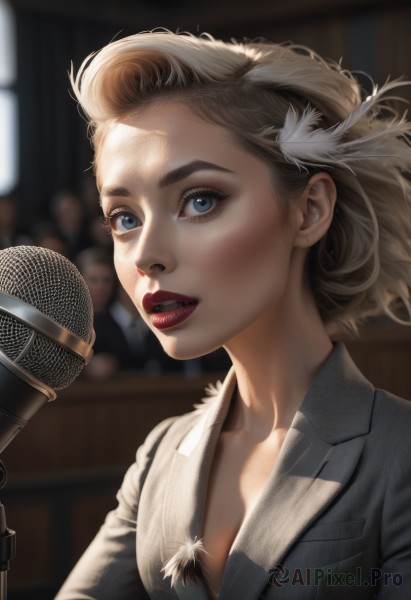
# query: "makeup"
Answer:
x=201 y=215
x=167 y=309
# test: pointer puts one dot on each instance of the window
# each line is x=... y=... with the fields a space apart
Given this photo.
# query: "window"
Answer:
x=8 y=100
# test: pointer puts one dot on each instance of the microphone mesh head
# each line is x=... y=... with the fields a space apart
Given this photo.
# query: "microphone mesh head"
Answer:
x=49 y=282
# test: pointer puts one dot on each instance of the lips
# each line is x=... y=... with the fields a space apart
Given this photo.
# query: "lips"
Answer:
x=167 y=309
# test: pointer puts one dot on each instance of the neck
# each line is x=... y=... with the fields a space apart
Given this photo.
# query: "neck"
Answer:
x=275 y=362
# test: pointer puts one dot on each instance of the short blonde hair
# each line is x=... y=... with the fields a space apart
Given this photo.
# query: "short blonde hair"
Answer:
x=363 y=264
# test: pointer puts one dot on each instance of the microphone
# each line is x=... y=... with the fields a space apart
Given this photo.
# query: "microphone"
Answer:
x=46 y=332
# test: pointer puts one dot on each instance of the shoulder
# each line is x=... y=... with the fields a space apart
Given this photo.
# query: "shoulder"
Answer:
x=153 y=458
x=390 y=433
x=169 y=431
x=172 y=431
x=392 y=412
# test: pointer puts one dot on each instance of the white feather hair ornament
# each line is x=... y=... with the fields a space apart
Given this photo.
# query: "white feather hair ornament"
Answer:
x=185 y=564
x=302 y=144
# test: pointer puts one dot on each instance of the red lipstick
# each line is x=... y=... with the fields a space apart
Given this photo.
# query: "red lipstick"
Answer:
x=167 y=309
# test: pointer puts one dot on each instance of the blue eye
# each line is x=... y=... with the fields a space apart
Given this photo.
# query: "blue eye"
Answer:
x=123 y=221
x=199 y=203
x=202 y=204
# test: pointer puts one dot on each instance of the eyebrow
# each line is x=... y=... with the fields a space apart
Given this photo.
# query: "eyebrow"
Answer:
x=170 y=178
x=186 y=170
x=113 y=192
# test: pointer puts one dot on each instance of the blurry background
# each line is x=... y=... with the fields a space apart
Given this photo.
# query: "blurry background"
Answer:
x=64 y=470
x=368 y=35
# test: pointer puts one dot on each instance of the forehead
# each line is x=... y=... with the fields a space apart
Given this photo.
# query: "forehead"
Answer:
x=164 y=136
x=160 y=125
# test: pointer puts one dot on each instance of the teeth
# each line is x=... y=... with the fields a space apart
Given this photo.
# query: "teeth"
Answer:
x=168 y=305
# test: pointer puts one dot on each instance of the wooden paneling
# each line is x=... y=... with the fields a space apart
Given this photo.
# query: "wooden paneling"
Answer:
x=394 y=46
x=88 y=513
x=94 y=424
x=33 y=543
x=383 y=354
x=205 y=13
x=55 y=518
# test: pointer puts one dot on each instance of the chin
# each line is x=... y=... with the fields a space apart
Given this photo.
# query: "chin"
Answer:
x=183 y=353
x=183 y=349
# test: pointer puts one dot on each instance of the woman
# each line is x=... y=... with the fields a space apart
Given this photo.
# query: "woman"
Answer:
x=255 y=202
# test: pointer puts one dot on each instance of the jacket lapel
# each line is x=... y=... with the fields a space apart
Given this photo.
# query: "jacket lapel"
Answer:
x=186 y=490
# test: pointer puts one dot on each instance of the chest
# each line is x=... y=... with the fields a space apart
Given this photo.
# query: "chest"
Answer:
x=240 y=471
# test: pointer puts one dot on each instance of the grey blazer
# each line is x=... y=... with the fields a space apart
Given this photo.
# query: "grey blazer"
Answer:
x=334 y=521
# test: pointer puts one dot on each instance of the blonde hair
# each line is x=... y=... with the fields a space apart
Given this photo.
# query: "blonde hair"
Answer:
x=302 y=115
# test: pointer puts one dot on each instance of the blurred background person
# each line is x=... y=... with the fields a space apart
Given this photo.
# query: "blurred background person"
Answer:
x=145 y=352
x=110 y=348
x=71 y=220
x=47 y=235
x=11 y=234
x=98 y=232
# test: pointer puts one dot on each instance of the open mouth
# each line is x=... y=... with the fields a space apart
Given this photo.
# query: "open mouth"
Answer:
x=162 y=301
x=170 y=305
x=167 y=309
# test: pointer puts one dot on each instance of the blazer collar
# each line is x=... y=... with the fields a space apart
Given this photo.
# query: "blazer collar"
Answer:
x=319 y=454
x=339 y=403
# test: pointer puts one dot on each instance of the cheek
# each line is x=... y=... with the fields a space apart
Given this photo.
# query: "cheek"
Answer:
x=245 y=249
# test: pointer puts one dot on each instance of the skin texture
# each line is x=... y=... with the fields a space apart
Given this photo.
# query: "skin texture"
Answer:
x=228 y=237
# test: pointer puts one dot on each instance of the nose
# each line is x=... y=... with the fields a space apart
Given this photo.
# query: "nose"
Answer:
x=154 y=253
x=151 y=270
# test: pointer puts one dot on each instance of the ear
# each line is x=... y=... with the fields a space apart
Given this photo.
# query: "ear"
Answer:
x=315 y=209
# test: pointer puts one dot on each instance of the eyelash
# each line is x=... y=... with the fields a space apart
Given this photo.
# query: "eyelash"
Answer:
x=108 y=220
x=105 y=222
x=215 y=195
x=218 y=197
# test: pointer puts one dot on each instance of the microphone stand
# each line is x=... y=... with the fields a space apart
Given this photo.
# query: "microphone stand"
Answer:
x=22 y=396
x=7 y=540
